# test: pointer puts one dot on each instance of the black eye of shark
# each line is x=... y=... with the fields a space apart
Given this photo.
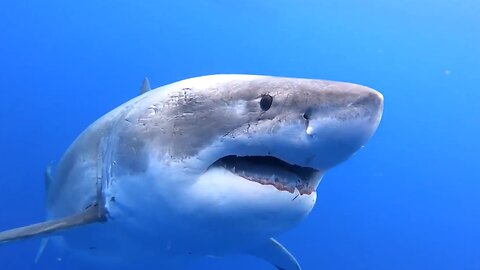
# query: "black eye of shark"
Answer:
x=266 y=102
x=268 y=170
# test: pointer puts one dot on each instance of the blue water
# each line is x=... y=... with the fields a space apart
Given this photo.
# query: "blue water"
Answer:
x=409 y=200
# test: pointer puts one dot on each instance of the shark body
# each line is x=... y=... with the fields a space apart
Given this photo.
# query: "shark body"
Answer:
x=207 y=166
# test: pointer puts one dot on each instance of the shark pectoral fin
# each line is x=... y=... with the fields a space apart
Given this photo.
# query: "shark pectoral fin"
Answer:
x=273 y=252
x=145 y=86
x=92 y=214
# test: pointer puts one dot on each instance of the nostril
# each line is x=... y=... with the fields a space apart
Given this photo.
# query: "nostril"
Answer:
x=307 y=114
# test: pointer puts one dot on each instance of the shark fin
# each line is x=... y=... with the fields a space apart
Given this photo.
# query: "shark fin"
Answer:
x=273 y=252
x=92 y=214
x=145 y=86
x=41 y=249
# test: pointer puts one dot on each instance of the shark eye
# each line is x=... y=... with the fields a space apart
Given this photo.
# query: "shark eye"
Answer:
x=266 y=102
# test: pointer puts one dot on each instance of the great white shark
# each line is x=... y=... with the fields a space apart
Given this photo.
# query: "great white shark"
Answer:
x=208 y=166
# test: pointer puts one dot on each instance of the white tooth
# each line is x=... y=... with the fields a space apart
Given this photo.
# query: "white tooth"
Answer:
x=233 y=169
x=272 y=178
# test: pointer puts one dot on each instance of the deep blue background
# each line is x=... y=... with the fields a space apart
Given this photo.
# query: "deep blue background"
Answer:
x=409 y=200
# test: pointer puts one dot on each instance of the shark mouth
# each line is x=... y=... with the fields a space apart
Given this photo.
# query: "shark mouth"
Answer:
x=268 y=170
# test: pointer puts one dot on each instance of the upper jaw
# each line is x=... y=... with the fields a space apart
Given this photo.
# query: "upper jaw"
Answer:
x=283 y=164
x=332 y=143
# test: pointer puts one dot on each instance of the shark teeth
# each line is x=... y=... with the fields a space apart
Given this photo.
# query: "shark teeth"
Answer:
x=268 y=170
x=282 y=185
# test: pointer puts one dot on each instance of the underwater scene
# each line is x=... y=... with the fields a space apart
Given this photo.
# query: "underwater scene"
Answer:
x=215 y=134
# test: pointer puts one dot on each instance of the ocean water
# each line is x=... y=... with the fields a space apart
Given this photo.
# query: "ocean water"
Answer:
x=409 y=200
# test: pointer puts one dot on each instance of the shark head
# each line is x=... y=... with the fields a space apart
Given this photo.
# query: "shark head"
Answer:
x=244 y=152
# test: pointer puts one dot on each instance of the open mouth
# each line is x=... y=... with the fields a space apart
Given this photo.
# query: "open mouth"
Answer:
x=268 y=170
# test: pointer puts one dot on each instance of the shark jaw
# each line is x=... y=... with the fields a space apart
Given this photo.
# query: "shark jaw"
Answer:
x=269 y=170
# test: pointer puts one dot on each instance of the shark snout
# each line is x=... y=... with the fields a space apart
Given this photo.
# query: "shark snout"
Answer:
x=342 y=104
x=359 y=101
x=339 y=125
x=371 y=100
